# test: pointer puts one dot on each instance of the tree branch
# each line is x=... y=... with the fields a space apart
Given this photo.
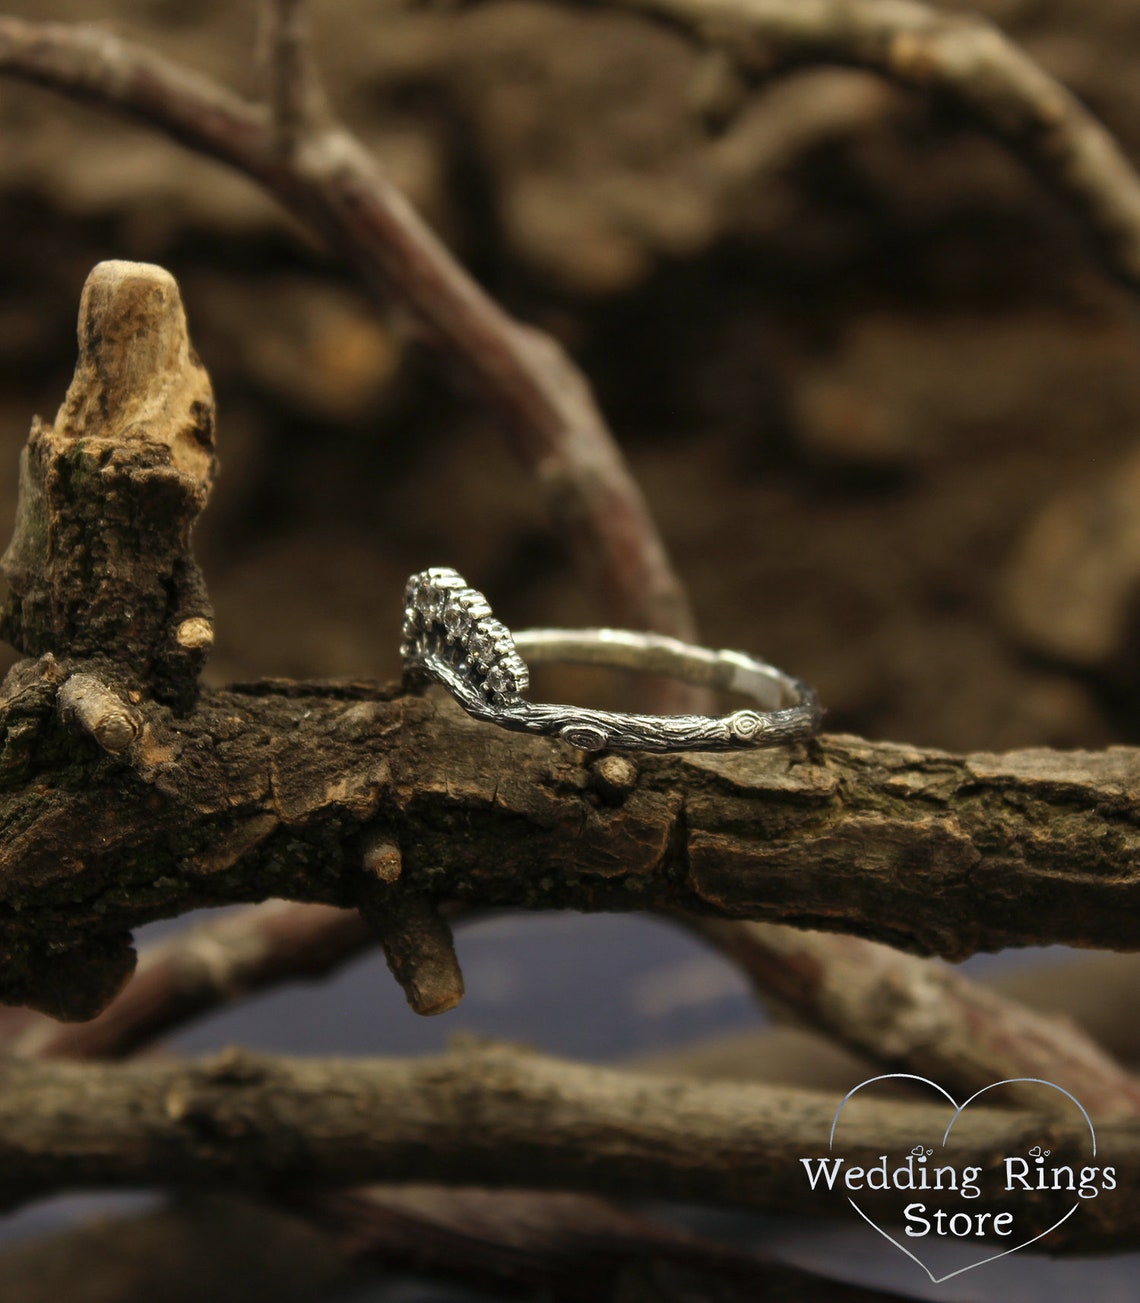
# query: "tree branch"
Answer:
x=571 y=1248
x=960 y=57
x=903 y=1013
x=197 y=971
x=99 y=566
x=497 y=1117
x=908 y=1013
x=297 y=103
x=268 y=792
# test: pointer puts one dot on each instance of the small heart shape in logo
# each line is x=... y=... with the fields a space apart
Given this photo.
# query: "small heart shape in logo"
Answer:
x=921 y=1152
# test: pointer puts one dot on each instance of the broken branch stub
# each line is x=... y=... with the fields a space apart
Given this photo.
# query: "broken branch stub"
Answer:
x=100 y=566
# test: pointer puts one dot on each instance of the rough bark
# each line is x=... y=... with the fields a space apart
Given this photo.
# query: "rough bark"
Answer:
x=99 y=566
x=498 y=1117
x=271 y=790
x=125 y=807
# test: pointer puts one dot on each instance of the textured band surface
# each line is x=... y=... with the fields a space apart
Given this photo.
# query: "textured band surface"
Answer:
x=450 y=635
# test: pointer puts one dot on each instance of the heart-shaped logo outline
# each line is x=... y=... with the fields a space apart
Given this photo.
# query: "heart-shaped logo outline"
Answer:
x=958 y=1110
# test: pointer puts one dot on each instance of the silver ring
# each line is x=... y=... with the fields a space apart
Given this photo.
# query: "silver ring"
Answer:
x=451 y=636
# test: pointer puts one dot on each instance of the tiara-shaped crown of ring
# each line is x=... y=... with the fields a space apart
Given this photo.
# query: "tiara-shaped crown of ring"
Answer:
x=450 y=623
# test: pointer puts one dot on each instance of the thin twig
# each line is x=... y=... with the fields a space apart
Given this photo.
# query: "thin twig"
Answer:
x=198 y=971
x=297 y=102
x=573 y=1248
x=962 y=58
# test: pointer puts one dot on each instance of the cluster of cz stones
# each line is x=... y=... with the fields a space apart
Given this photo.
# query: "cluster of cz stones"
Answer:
x=445 y=619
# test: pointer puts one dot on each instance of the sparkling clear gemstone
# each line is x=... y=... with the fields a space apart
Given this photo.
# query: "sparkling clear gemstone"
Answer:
x=434 y=603
x=463 y=608
x=484 y=643
x=456 y=618
x=502 y=680
x=425 y=590
x=431 y=591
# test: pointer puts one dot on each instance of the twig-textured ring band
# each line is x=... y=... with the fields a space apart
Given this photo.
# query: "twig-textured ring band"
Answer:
x=450 y=635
